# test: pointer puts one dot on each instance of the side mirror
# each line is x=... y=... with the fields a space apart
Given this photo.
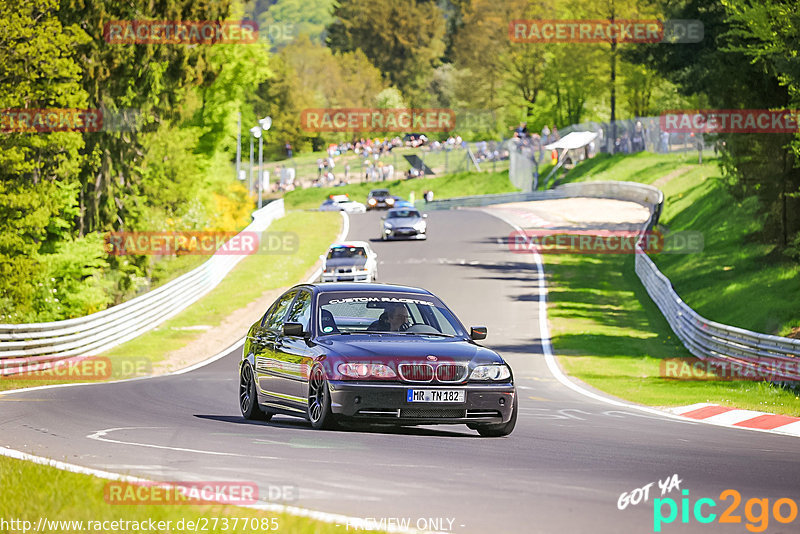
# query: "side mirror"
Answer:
x=293 y=329
x=477 y=332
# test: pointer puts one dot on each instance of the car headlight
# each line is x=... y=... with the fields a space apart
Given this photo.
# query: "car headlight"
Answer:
x=420 y=225
x=372 y=202
x=491 y=372
x=387 y=225
x=366 y=370
x=389 y=201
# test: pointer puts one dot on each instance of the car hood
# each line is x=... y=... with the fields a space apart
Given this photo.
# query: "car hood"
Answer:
x=406 y=348
x=346 y=262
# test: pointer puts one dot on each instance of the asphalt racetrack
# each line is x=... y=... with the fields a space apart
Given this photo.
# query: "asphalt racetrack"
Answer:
x=561 y=471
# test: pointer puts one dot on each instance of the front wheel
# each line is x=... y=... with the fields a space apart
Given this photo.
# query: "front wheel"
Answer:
x=248 y=397
x=319 y=401
x=500 y=429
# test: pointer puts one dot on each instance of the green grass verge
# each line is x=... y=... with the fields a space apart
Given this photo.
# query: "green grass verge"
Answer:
x=252 y=276
x=453 y=185
x=607 y=332
x=643 y=167
x=30 y=491
x=606 y=329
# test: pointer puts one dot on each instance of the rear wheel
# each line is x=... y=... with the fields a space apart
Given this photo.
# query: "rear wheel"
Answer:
x=500 y=429
x=248 y=398
x=319 y=401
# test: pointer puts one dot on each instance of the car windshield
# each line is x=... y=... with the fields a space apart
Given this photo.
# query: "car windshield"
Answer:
x=346 y=252
x=379 y=194
x=403 y=214
x=367 y=312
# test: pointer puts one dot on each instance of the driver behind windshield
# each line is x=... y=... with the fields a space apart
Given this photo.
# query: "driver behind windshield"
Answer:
x=393 y=319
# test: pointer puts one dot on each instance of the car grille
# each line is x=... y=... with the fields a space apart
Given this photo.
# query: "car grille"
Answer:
x=416 y=372
x=434 y=413
x=448 y=372
x=424 y=372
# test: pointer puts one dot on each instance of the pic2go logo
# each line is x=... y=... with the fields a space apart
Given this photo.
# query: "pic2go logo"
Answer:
x=756 y=511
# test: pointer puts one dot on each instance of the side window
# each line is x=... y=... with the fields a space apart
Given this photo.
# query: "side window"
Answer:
x=268 y=314
x=275 y=320
x=301 y=310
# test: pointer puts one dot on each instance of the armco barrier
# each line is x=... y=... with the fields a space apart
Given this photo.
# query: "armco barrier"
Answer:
x=23 y=344
x=758 y=354
x=776 y=356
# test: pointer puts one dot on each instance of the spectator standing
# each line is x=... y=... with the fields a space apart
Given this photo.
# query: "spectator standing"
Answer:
x=288 y=147
x=664 y=142
x=546 y=134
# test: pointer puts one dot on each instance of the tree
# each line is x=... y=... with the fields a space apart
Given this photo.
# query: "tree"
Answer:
x=37 y=184
x=403 y=39
x=746 y=60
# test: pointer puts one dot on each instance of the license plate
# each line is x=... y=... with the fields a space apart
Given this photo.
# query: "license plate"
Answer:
x=435 y=395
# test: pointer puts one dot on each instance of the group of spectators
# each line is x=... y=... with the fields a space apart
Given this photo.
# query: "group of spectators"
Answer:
x=535 y=141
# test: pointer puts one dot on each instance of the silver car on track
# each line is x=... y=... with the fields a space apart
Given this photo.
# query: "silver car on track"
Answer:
x=404 y=223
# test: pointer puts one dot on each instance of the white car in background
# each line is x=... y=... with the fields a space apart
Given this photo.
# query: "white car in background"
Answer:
x=342 y=203
x=349 y=261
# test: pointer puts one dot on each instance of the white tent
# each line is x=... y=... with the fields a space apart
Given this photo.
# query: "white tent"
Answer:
x=572 y=141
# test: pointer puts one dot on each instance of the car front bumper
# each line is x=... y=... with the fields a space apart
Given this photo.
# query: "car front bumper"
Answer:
x=387 y=403
x=345 y=277
x=408 y=233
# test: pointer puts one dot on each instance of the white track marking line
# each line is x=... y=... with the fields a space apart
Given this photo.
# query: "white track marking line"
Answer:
x=552 y=364
x=100 y=435
x=544 y=335
x=325 y=517
x=198 y=365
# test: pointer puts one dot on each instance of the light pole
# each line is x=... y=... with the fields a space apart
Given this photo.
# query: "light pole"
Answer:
x=255 y=131
x=239 y=149
x=263 y=125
